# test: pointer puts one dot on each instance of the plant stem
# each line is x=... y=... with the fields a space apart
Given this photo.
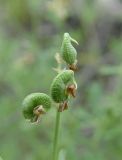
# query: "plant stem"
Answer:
x=55 y=144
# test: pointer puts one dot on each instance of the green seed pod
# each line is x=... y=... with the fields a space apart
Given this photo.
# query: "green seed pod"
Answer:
x=61 y=84
x=69 y=53
x=34 y=105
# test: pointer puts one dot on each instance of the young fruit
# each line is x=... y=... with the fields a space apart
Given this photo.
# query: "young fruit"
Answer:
x=69 y=53
x=63 y=86
x=35 y=105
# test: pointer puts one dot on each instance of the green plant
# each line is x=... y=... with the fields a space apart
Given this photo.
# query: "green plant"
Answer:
x=62 y=88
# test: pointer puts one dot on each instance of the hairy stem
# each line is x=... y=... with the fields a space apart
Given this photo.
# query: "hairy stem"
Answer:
x=55 y=144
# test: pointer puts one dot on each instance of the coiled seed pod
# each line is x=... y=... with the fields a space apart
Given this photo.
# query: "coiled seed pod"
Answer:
x=34 y=105
x=69 y=53
x=62 y=86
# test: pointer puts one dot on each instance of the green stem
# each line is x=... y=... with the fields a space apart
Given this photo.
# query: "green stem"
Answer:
x=55 y=144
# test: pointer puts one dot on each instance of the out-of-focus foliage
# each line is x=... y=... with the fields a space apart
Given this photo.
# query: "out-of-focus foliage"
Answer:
x=31 y=33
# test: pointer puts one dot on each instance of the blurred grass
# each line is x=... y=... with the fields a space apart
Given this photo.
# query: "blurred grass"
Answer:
x=30 y=35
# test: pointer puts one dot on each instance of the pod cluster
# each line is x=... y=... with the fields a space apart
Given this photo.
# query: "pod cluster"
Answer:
x=62 y=88
x=68 y=52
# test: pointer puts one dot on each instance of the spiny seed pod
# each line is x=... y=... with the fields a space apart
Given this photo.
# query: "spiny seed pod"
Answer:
x=63 y=86
x=69 y=53
x=34 y=105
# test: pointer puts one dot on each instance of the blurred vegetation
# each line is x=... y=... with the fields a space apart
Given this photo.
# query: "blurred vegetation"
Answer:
x=30 y=35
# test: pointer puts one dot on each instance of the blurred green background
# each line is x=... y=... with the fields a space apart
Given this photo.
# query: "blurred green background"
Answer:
x=31 y=33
